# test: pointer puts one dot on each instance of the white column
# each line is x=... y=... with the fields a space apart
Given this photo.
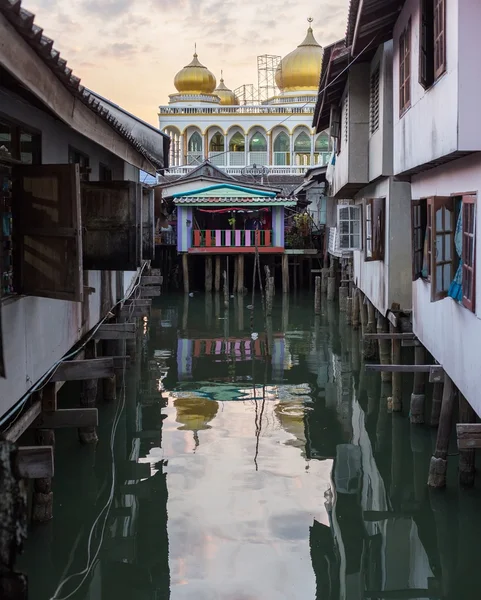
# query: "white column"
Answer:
x=181 y=158
x=293 y=158
x=269 y=149
x=246 y=150
x=312 y=148
x=226 y=150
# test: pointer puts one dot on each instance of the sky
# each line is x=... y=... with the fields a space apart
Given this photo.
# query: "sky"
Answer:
x=130 y=50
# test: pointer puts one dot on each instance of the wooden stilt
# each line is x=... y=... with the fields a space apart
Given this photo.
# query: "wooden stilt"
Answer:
x=185 y=271
x=416 y=412
x=13 y=519
x=240 y=274
x=295 y=270
x=343 y=292
x=355 y=308
x=109 y=385
x=466 y=457
x=370 y=349
x=285 y=274
x=217 y=273
x=396 y=401
x=208 y=274
x=317 y=296
x=384 y=347
x=269 y=295
x=324 y=278
x=88 y=397
x=236 y=276
x=226 y=290
x=363 y=313
x=42 y=498
x=436 y=404
x=349 y=310
x=439 y=462
x=310 y=273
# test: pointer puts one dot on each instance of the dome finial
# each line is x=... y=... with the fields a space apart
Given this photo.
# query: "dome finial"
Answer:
x=310 y=20
x=195 y=49
x=221 y=75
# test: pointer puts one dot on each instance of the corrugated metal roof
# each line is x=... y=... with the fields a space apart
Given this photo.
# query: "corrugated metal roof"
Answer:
x=227 y=201
x=371 y=20
x=23 y=22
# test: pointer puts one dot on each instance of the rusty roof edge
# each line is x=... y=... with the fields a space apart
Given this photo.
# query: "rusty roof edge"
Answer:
x=23 y=22
x=331 y=53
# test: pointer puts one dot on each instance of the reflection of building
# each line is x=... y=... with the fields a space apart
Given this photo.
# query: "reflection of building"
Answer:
x=270 y=126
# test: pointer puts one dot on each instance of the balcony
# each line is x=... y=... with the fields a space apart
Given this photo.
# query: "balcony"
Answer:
x=234 y=241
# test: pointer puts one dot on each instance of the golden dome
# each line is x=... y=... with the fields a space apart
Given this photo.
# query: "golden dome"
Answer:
x=194 y=78
x=227 y=96
x=300 y=70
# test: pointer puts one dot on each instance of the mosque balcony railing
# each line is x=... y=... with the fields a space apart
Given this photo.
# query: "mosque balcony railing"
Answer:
x=240 y=170
x=218 y=158
x=250 y=109
x=195 y=158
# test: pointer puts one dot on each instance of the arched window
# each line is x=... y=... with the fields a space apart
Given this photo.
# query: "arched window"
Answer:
x=281 y=143
x=237 y=143
x=217 y=143
x=302 y=143
x=322 y=143
x=258 y=143
x=195 y=142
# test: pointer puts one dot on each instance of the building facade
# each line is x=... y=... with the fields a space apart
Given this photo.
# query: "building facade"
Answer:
x=234 y=131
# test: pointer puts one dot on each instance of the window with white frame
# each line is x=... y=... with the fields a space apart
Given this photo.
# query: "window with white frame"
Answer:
x=349 y=227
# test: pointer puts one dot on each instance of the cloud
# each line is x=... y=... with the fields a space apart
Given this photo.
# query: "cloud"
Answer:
x=106 y=8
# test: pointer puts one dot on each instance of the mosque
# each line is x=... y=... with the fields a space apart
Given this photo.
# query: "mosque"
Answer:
x=269 y=127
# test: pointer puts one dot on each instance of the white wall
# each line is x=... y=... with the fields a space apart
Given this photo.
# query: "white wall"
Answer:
x=380 y=142
x=39 y=331
x=388 y=281
x=429 y=128
x=448 y=330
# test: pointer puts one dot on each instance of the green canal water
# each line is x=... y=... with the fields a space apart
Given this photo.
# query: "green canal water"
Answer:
x=253 y=467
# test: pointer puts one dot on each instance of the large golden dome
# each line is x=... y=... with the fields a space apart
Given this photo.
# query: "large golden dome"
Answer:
x=300 y=70
x=227 y=96
x=194 y=78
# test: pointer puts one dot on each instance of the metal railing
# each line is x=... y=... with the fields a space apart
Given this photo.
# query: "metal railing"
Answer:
x=228 y=238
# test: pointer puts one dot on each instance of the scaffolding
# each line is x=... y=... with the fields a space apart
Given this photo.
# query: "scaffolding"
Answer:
x=266 y=76
x=246 y=94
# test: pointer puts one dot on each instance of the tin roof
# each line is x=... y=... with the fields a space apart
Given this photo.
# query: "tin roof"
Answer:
x=371 y=20
x=227 y=194
x=23 y=22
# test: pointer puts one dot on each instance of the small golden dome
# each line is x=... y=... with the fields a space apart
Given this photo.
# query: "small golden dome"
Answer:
x=194 y=78
x=300 y=70
x=227 y=96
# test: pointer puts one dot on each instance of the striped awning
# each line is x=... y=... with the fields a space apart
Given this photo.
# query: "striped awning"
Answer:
x=229 y=201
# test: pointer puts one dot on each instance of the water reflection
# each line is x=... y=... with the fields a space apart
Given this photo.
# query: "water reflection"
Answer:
x=261 y=466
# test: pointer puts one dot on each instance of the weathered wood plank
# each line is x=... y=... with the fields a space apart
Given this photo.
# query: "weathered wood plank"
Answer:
x=35 y=462
x=139 y=302
x=115 y=331
x=130 y=311
x=469 y=435
x=392 y=318
x=436 y=374
x=68 y=417
x=77 y=370
x=24 y=422
x=410 y=343
x=120 y=361
x=389 y=336
x=149 y=291
x=151 y=280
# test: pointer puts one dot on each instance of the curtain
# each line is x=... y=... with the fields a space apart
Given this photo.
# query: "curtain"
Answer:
x=456 y=287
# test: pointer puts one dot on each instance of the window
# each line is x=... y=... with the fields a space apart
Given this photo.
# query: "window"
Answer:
x=20 y=143
x=282 y=148
x=302 y=149
x=237 y=143
x=258 y=143
x=440 y=244
x=75 y=157
x=405 y=69
x=195 y=142
x=217 y=143
x=105 y=173
x=374 y=101
x=468 y=251
x=432 y=41
x=349 y=227
x=374 y=228
x=418 y=236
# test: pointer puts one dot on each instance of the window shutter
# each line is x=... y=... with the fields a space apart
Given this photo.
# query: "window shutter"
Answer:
x=112 y=218
x=349 y=227
x=378 y=228
x=418 y=231
x=334 y=121
x=439 y=36
x=374 y=101
x=469 y=251
x=148 y=224
x=442 y=251
x=2 y=361
x=48 y=231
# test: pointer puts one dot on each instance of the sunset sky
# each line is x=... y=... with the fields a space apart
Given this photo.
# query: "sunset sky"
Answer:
x=130 y=50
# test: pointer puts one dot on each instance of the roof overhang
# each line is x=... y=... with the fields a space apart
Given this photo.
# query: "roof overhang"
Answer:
x=30 y=58
x=225 y=190
x=371 y=23
x=334 y=72
x=244 y=202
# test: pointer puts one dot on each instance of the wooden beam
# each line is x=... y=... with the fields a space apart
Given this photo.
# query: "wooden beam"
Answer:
x=77 y=370
x=410 y=343
x=23 y=422
x=392 y=318
x=139 y=302
x=115 y=331
x=131 y=310
x=151 y=280
x=148 y=291
x=436 y=372
x=389 y=336
x=469 y=435
x=68 y=417
x=35 y=462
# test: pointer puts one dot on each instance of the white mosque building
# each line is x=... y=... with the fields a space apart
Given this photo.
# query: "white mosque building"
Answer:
x=206 y=120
